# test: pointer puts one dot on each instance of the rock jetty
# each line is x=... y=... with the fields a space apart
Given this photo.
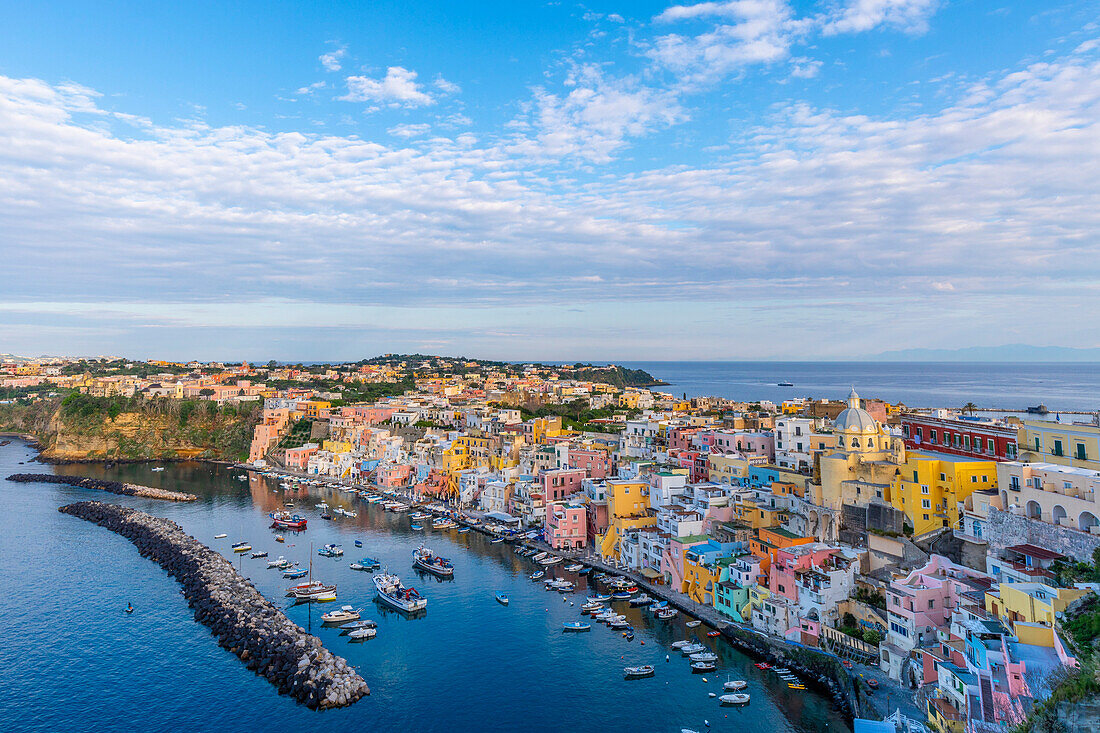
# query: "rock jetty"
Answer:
x=115 y=487
x=245 y=622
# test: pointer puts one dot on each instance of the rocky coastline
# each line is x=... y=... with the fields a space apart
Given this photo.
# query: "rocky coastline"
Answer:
x=247 y=624
x=114 y=487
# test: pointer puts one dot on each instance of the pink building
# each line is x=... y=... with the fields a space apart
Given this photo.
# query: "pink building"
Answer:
x=393 y=476
x=297 y=459
x=737 y=441
x=561 y=483
x=595 y=463
x=921 y=603
x=566 y=526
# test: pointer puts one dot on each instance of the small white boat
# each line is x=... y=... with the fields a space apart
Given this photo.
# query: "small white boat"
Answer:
x=736 y=698
x=158 y=468
x=540 y=556
x=550 y=560
x=363 y=634
x=258 y=555
x=575 y=567
x=735 y=685
x=693 y=648
x=636 y=673
x=704 y=657
x=677 y=645
x=345 y=615
x=693 y=624
x=701 y=667
x=221 y=536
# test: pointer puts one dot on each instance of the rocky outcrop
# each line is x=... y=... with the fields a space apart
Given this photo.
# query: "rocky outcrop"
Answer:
x=115 y=487
x=245 y=622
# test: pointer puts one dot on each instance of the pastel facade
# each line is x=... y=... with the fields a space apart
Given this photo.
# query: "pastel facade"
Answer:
x=566 y=526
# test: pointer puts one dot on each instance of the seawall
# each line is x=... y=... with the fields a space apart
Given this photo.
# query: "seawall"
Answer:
x=246 y=623
x=114 y=487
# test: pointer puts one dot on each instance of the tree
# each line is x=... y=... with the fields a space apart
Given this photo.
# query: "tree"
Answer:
x=970 y=407
x=205 y=392
x=872 y=636
x=849 y=620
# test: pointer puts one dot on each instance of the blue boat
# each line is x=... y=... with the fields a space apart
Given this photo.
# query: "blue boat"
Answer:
x=575 y=626
x=620 y=596
x=415 y=527
x=586 y=571
x=359 y=543
x=502 y=599
x=299 y=573
x=464 y=530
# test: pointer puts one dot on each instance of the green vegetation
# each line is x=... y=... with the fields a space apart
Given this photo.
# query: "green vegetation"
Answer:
x=576 y=415
x=871 y=598
x=849 y=626
x=350 y=393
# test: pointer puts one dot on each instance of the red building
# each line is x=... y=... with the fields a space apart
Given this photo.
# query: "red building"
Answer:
x=960 y=436
x=596 y=463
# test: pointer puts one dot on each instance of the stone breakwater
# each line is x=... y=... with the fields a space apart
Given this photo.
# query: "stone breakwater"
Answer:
x=115 y=487
x=246 y=623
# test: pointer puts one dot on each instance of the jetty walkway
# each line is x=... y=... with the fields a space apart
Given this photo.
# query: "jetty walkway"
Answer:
x=114 y=487
x=246 y=623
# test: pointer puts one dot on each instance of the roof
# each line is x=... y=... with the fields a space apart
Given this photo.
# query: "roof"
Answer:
x=1039 y=553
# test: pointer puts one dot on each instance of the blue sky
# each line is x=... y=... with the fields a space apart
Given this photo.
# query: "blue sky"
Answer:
x=745 y=179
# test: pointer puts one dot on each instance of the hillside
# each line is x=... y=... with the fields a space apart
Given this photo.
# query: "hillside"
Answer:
x=82 y=428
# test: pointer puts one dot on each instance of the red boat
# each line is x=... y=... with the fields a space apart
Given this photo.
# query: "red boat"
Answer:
x=716 y=632
x=285 y=520
x=763 y=665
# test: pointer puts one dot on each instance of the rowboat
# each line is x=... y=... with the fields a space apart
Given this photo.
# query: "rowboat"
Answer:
x=502 y=599
x=713 y=633
x=736 y=698
x=299 y=573
x=693 y=624
x=363 y=634
x=220 y=536
x=735 y=685
x=576 y=626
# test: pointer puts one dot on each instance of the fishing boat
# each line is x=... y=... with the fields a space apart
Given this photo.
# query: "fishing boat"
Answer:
x=353 y=625
x=158 y=468
x=443 y=523
x=464 y=530
x=620 y=596
x=576 y=626
x=344 y=615
x=701 y=667
x=540 y=556
x=286 y=520
x=242 y=547
x=591 y=606
x=693 y=624
x=642 y=600
x=667 y=613
x=785 y=384
x=330 y=550
x=359 y=543
x=312 y=590
x=736 y=698
x=678 y=645
x=258 y=555
x=428 y=561
x=497 y=541
x=574 y=567
x=693 y=648
x=600 y=597
x=585 y=571
x=278 y=562
x=734 y=685
x=537 y=575
x=363 y=634
x=502 y=599
x=297 y=573
x=393 y=593
x=221 y=536
x=704 y=657
x=637 y=673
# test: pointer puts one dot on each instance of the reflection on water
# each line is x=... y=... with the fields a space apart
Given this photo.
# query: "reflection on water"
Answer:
x=467 y=664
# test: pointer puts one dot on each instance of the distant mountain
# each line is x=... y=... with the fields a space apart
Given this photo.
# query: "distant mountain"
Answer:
x=1007 y=352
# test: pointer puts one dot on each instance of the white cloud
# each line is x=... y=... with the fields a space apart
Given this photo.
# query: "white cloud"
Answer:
x=398 y=88
x=805 y=68
x=445 y=86
x=331 y=59
x=409 y=130
x=857 y=16
x=310 y=89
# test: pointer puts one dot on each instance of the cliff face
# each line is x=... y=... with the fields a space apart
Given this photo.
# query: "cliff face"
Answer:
x=85 y=430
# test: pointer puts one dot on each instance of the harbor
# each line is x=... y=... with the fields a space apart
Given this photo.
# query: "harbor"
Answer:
x=466 y=639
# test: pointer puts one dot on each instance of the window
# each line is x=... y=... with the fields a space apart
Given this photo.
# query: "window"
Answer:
x=1057 y=448
x=931 y=436
x=926 y=517
x=931 y=603
x=966 y=443
x=1081 y=455
x=924 y=489
x=943 y=477
x=991 y=445
x=915 y=479
x=973 y=479
x=925 y=504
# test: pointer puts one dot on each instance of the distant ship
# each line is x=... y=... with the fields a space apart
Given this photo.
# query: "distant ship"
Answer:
x=786 y=384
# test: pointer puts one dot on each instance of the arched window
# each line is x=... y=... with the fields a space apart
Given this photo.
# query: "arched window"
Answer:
x=855 y=442
x=1034 y=510
x=1086 y=521
x=1058 y=514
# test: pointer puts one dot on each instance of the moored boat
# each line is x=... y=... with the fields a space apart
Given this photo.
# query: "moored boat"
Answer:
x=736 y=698
x=393 y=593
x=574 y=567
x=313 y=590
x=286 y=520
x=704 y=657
x=701 y=667
x=502 y=599
x=363 y=634
x=537 y=575
x=693 y=624
x=258 y=555
x=576 y=626
x=367 y=563
x=298 y=573
x=353 y=625
x=735 y=685
x=642 y=600
x=635 y=673
x=330 y=550
x=241 y=547
x=425 y=559
x=344 y=615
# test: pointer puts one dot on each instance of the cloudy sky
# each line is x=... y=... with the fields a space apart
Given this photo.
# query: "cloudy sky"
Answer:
x=613 y=180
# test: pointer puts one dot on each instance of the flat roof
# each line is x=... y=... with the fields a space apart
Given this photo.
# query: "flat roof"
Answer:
x=1039 y=553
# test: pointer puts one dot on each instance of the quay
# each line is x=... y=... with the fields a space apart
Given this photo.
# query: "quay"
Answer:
x=114 y=487
x=245 y=622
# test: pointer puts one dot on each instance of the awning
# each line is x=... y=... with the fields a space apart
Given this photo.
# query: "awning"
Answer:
x=651 y=573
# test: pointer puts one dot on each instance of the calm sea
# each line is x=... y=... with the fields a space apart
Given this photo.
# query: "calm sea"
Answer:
x=1004 y=386
x=71 y=660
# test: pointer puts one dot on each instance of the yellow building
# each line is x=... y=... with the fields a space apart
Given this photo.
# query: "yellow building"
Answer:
x=312 y=408
x=627 y=508
x=1030 y=609
x=931 y=488
x=701 y=578
x=1055 y=442
x=864 y=462
x=337 y=446
x=757 y=515
x=728 y=468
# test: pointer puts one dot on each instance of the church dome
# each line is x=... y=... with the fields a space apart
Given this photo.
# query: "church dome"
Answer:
x=855 y=419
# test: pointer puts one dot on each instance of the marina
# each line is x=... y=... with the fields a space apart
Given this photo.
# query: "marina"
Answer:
x=478 y=634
